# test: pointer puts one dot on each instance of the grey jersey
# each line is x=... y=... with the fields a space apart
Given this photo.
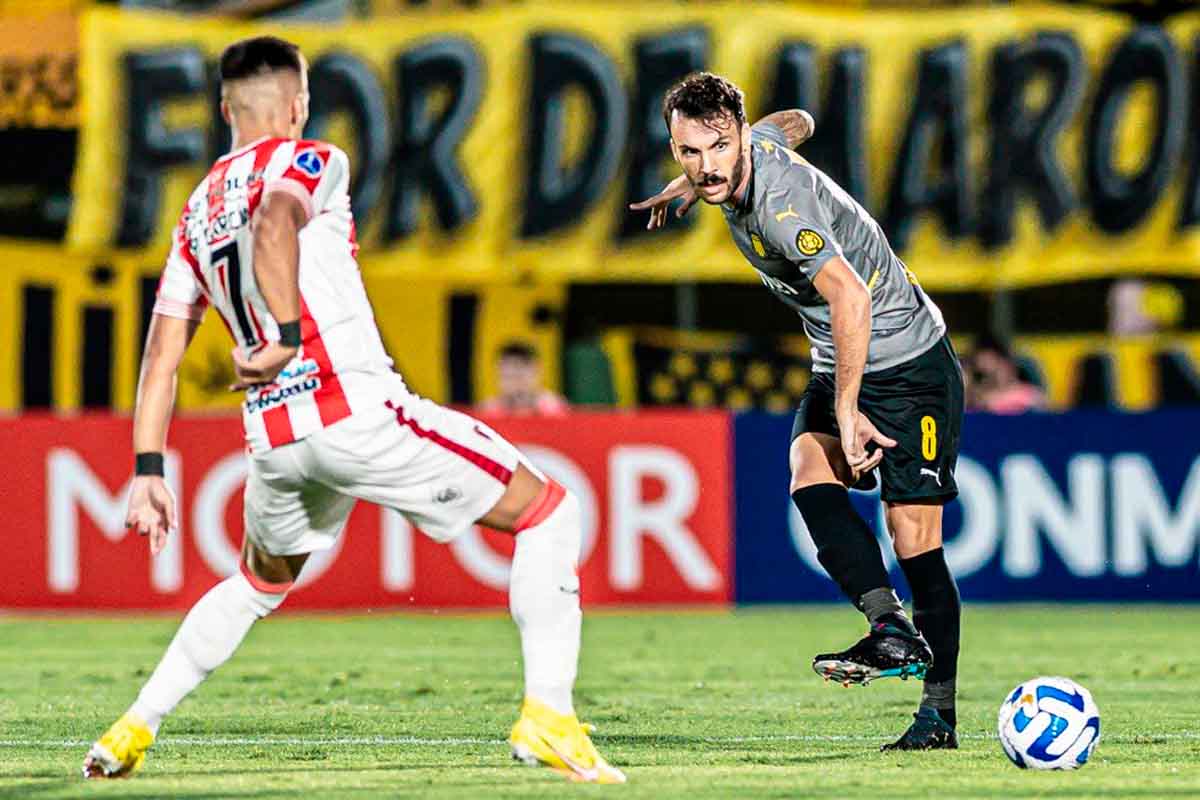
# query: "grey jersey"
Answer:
x=794 y=220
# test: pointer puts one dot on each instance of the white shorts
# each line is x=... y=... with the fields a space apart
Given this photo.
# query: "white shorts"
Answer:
x=441 y=469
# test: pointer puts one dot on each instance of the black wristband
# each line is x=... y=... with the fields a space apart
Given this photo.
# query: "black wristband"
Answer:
x=289 y=333
x=148 y=464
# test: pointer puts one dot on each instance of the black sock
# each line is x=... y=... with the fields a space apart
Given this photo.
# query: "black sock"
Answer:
x=936 y=613
x=846 y=547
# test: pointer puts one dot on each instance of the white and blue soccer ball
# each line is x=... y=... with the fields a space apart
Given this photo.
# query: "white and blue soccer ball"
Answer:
x=1049 y=723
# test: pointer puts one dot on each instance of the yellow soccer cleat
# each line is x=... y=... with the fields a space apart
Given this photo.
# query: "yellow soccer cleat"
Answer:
x=542 y=736
x=120 y=751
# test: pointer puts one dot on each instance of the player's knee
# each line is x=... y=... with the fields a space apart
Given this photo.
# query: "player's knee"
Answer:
x=564 y=529
x=812 y=463
x=259 y=595
x=915 y=529
x=556 y=532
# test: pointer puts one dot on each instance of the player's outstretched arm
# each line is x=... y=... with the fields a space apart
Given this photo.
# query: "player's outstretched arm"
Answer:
x=681 y=187
x=797 y=125
x=151 y=506
x=850 y=318
x=277 y=225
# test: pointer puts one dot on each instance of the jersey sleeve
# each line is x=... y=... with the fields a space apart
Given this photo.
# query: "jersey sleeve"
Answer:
x=771 y=132
x=318 y=175
x=180 y=293
x=798 y=225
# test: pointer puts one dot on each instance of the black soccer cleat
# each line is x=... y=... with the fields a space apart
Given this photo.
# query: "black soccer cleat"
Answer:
x=928 y=732
x=892 y=649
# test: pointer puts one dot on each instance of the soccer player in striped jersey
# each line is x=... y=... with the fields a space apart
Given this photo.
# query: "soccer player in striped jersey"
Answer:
x=267 y=240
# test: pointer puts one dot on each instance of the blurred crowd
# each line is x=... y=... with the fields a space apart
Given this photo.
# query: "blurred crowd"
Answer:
x=745 y=368
x=338 y=9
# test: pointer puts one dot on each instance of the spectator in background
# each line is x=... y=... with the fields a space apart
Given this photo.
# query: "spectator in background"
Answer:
x=300 y=10
x=994 y=381
x=519 y=374
x=587 y=372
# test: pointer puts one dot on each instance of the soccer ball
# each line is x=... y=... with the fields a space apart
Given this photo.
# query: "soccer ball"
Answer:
x=1049 y=723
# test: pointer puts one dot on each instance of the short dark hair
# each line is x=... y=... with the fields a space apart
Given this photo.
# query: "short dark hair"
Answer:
x=523 y=351
x=705 y=96
x=989 y=340
x=257 y=56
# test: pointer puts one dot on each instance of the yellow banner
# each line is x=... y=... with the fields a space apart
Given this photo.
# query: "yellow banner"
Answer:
x=998 y=147
x=38 y=52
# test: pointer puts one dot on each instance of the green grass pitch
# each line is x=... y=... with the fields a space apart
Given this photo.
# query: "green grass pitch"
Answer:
x=691 y=704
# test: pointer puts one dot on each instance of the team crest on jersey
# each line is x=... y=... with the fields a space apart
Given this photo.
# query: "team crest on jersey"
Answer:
x=309 y=162
x=809 y=242
x=757 y=243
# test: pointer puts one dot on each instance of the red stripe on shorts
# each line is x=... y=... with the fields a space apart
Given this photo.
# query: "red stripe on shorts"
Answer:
x=279 y=426
x=330 y=397
x=493 y=468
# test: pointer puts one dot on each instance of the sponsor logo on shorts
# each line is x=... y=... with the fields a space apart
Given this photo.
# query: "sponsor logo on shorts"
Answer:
x=448 y=495
x=809 y=242
x=308 y=162
x=935 y=474
x=272 y=395
x=305 y=367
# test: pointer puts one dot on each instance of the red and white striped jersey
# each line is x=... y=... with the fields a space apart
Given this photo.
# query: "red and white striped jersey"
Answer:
x=342 y=366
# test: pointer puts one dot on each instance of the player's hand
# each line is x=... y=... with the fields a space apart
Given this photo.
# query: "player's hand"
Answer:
x=857 y=433
x=151 y=510
x=680 y=187
x=262 y=367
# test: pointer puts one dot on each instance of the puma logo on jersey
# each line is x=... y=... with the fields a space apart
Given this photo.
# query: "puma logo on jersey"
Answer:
x=935 y=474
x=782 y=215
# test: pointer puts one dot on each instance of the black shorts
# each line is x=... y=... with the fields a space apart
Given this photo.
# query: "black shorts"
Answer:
x=919 y=404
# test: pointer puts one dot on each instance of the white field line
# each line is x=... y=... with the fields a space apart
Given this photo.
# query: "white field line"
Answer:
x=416 y=741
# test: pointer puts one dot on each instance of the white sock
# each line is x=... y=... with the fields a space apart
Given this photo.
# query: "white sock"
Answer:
x=543 y=595
x=209 y=635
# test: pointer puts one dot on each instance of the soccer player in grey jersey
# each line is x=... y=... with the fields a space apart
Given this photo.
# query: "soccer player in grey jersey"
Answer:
x=886 y=389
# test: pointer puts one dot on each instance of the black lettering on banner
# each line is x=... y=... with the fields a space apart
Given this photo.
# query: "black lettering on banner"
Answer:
x=342 y=82
x=1120 y=202
x=1023 y=152
x=940 y=103
x=1190 y=207
x=556 y=196
x=659 y=61
x=426 y=149
x=837 y=146
x=229 y=254
x=32 y=84
x=152 y=78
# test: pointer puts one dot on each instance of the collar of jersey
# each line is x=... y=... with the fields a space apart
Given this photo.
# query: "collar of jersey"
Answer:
x=244 y=148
